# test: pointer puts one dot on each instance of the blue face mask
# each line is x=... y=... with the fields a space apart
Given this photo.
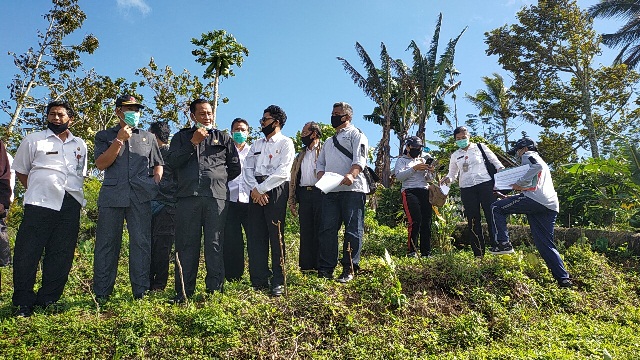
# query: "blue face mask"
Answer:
x=239 y=137
x=132 y=118
x=462 y=143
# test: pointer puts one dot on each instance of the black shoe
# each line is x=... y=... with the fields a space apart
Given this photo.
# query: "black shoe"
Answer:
x=501 y=249
x=325 y=275
x=412 y=254
x=565 y=283
x=277 y=290
x=140 y=296
x=102 y=299
x=178 y=299
x=345 y=277
x=261 y=287
x=24 y=311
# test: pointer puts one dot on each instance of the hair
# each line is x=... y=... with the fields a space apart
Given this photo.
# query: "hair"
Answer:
x=277 y=113
x=239 y=120
x=192 y=106
x=63 y=104
x=346 y=107
x=460 y=129
x=315 y=128
x=161 y=130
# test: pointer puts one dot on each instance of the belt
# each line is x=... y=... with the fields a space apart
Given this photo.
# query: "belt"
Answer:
x=308 y=188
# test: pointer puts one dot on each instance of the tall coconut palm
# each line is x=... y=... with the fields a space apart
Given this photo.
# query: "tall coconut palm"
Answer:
x=628 y=36
x=496 y=102
x=377 y=85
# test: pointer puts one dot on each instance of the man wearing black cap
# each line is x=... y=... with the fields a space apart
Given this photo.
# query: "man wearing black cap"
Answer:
x=539 y=201
x=203 y=159
x=414 y=173
x=132 y=164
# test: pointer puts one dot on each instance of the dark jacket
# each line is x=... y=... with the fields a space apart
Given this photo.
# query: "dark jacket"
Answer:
x=203 y=170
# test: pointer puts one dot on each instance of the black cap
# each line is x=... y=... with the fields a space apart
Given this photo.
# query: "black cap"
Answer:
x=522 y=143
x=413 y=141
x=128 y=100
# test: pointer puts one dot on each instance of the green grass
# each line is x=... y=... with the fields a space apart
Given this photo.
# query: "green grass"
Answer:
x=455 y=307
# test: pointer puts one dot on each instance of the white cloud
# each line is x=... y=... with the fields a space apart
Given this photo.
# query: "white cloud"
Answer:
x=140 y=5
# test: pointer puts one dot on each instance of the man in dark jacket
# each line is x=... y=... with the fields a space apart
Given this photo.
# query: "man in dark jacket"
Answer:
x=203 y=160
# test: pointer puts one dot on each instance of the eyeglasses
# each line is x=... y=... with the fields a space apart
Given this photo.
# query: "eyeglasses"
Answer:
x=264 y=119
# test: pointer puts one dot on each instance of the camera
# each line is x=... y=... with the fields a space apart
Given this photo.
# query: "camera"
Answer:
x=428 y=160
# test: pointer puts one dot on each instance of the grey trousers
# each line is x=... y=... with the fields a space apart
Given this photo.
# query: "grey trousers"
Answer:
x=109 y=241
x=196 y=215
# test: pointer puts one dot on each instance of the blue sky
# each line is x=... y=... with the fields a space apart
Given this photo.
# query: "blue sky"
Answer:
x=293 y=47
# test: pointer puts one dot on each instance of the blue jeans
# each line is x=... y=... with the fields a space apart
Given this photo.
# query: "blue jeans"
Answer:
x=344 y=207
x=541 y=221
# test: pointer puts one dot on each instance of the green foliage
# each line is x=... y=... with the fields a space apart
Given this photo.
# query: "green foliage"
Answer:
x=596 y=192
x=89 y=214
x=389 y=210
x=380 y=238
x=445 y=220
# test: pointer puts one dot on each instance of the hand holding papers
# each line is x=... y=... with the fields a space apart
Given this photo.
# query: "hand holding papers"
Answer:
x=505 y=178
x=329 y=181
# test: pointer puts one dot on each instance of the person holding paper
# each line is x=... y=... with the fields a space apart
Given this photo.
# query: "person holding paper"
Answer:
x=539 y=201
x=476 y=184
x=413 y=171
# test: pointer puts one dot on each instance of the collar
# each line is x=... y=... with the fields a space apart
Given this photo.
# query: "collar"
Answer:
x=275 y=137
x=348 y=127
x=49 y=133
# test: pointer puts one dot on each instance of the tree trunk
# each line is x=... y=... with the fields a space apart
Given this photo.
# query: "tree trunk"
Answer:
x=505 y=133
x=214 y=106
x=386 y=151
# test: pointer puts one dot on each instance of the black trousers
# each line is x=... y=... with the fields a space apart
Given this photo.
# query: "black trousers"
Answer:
x=55 y=233
x=237 y=219
x=162 y=235
x=309 y=210
x=5 y=249
x=474 y=197
x=418 y=210
x=263 y=233
x=195 y=215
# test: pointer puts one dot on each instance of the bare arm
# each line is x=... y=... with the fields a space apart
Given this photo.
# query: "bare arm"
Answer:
x=23 y=179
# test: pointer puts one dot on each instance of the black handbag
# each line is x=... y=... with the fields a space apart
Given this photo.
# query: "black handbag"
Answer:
x=373 y=180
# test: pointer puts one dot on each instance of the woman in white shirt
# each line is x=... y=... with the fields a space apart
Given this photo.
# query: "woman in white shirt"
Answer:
x=476 y=185
x=413 y=171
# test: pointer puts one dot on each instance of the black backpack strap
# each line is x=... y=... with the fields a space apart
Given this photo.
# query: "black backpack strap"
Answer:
x=484 y=156
x=342 y=149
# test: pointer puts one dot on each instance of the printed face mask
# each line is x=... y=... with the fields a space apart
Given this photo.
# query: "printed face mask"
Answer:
x=462 y=143
x=58 y=129
x=132 y=118
x=239 y=137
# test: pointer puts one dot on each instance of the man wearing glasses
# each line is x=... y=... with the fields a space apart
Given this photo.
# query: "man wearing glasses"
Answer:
x=203 y=159
x=132 y=164
x=267 y=173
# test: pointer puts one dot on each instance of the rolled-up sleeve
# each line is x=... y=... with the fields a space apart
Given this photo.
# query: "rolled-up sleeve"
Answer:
x=360 y=142
x=250 y=168
x=453 y=168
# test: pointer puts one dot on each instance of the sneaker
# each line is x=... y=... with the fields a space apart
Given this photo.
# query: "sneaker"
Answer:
x=277 y=291
x=177 y=300
x=325 y=275
x=24 y=311
x=412 y=254
x=565 y=283
x=346 y=276
x=501 y=249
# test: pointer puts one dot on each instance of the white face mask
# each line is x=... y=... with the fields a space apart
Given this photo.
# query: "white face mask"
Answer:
x=206 y=127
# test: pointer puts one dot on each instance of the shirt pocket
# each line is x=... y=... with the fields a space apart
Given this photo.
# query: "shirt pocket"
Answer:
x=110 y=182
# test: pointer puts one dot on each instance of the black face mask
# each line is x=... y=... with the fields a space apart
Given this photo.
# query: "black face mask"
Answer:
x=306 y=140
x=414 y=153
x=336 y=120
x=267 y=130
x=58 y=129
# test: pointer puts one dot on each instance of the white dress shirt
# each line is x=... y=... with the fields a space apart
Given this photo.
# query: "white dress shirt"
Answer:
x=476 y=171
x=238 y=189
x=53 y=167
x=308 y=168
x=272 y=158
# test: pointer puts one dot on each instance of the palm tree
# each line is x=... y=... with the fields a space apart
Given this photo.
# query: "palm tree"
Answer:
x=628 y=36
x=430 y=75
x=377 y=85
x=496 y=102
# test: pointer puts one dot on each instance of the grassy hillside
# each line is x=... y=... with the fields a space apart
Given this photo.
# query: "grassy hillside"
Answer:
x=450 y=306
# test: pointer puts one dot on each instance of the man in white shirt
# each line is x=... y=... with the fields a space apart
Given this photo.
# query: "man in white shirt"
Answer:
x=51 y=165
x=267 y=173
x=305 y=200
x=238 y=207
x=345 y=203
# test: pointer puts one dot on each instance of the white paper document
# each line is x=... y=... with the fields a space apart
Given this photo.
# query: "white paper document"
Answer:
x=329 y=181
x=506 y=177
x=445 y=189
